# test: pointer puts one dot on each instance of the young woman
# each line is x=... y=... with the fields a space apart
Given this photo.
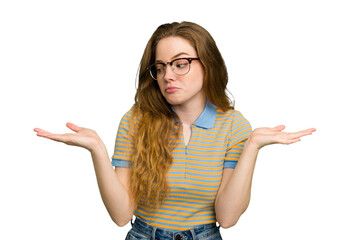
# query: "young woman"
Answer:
x=184 y=158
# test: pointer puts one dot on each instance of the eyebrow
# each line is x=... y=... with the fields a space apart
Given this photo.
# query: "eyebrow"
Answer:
x=175 y=56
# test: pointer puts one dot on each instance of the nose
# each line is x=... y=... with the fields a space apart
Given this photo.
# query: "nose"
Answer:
x=169 y=73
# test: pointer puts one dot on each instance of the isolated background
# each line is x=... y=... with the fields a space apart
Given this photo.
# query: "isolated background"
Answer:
x=290 y=62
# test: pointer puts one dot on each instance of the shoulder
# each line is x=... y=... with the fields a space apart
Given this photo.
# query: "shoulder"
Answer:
x=232 y=116
x=132 y=115
x=238 y=126
x=133 y=112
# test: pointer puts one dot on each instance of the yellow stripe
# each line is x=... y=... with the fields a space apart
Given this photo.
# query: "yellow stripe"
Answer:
x=220 y=149
x=206 y=144
x=203 y=193
x=173 y=181
x=245 y=136
x=173 y=222
x=195 y=187
x=198 y=172
x=127 y=145
x=124 y=154
x=197 y=157
x=183 y=198
x=205 y=168
x=197 y=177
x=199 y=136
x=206 y=153
x=191 y=196
x=225 y=122
x=213 y=162
x=175 y=212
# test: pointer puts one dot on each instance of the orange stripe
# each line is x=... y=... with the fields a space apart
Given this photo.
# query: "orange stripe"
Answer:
x=196 y=187
x=191 y=196
x=174 y=222
x=196 y=177
x=205 y=168
x=176 y=212
x=213 y=162
x=173 y=181
x=198 y=172
x=197 y=157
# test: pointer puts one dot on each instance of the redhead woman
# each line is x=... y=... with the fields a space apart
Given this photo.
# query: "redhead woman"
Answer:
x=184 y=158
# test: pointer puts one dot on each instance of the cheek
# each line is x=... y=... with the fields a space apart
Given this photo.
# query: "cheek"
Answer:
x=199 y=77
x=200 y=84
x=161 y=85
x=199 y=81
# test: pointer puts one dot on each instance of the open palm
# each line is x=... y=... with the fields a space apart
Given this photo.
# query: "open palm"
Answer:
x=266 y=136
x=83 y=137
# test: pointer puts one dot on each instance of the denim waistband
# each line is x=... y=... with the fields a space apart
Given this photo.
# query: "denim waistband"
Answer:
x=154 y=232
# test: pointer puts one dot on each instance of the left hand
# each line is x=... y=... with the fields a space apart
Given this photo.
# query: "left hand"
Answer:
x=83 y=137
x=261 y=137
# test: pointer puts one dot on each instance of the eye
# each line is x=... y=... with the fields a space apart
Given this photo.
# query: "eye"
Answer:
x=183 y=63
x=159 y=68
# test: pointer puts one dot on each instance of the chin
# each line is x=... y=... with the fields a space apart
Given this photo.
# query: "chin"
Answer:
x=174 y=101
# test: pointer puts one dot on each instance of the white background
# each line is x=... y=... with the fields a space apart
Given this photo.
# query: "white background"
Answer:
x=290 y=62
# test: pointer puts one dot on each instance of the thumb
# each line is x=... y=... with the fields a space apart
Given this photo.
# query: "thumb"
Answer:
x=73 y=127
x=279 y=128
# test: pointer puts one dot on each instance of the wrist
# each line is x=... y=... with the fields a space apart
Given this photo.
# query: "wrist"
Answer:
x=251 y=145
x=97 y=147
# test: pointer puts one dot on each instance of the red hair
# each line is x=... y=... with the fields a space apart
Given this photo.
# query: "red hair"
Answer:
x=152 y=157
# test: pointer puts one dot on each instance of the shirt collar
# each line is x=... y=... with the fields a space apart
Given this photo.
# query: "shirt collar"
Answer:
x=207 y=117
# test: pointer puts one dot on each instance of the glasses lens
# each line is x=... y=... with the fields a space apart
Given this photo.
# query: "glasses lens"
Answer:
x=157 y=71
x=181 y=66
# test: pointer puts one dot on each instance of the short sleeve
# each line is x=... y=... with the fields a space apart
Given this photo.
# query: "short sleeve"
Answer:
x=124 y=143
x=240 y=131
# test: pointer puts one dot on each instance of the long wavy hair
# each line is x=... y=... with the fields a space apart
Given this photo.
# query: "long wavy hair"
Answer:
x=154 y=137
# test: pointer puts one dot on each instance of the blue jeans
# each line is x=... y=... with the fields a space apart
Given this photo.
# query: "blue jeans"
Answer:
x=142 y=231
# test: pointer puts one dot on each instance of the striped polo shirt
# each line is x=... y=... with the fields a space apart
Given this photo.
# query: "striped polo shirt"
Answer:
x=216 y=142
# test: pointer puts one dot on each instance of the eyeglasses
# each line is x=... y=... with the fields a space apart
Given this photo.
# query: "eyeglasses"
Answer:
x=179 y=66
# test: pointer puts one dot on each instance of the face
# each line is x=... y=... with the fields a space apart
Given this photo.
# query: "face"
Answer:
x=180 y=89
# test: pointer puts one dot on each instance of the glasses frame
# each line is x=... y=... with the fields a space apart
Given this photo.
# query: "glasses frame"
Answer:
x=171 y=63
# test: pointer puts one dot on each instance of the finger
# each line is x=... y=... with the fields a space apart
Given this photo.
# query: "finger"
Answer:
x=286 y=138
x=303 y=133
x=41 y=133
x=59 y=138
x=56 y=137
x=279 y=128
x=64 y=138
x=38 y=130
x=291 y=141
x=73 y=127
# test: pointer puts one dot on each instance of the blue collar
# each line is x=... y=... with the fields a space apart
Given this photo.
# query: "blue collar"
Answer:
x=207 y=117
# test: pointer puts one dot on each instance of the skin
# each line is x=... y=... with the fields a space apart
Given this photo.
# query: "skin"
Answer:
x=189 y=98
x=188 y=101
x=236 y=183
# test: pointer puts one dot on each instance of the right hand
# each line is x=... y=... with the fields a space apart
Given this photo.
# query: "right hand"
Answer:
x=83 y=137
x=261 y=137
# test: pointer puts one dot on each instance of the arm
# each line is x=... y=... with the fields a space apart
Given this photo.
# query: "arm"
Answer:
x=234 y=193
x=113 y=185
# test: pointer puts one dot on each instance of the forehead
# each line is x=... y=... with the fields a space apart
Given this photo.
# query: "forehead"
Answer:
x=170 y=47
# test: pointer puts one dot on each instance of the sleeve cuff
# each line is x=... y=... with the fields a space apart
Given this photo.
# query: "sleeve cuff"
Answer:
x=120 y=163
x=230 y=164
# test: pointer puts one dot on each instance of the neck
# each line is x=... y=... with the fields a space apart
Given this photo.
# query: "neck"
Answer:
x=189 y=113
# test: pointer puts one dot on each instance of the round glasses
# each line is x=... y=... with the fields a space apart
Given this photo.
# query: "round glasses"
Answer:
x=179 y=66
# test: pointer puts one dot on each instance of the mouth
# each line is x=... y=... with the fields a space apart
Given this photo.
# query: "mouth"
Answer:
x=171 y=89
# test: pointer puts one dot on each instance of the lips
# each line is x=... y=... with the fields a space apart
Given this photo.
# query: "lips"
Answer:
x=171 y=89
